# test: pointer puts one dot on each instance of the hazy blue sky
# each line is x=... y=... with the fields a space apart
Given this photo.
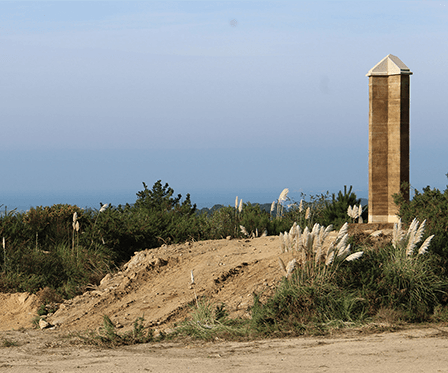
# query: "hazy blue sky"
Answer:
x=216 y=98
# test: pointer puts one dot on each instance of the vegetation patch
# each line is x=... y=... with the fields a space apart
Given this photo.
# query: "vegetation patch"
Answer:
x=331 y=280
x=107 y=335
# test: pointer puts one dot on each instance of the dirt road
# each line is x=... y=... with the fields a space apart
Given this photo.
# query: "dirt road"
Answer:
x=423 y=349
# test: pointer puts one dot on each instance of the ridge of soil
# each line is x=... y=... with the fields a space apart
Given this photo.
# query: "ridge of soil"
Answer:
x=156 y=284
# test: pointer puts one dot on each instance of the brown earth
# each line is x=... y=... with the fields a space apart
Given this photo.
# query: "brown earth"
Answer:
x=421 y=349
x=156 y=284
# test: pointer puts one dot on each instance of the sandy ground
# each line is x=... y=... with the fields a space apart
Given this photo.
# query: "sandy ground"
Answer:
x=156 y=284
x=423 y=349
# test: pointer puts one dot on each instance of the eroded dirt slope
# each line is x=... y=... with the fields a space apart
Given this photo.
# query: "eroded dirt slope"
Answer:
x=156 y=284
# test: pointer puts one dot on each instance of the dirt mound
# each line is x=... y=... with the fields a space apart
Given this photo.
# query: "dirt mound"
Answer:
x=17 y=310
x=156 y=284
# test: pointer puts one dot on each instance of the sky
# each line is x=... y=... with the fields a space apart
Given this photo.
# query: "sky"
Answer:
x=216 y=98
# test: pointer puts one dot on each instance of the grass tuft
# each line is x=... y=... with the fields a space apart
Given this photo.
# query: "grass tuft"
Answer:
x=209 y=321
x=107 y=336
x=7 y=343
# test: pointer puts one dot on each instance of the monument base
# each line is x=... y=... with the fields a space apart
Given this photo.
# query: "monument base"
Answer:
x=383 y=218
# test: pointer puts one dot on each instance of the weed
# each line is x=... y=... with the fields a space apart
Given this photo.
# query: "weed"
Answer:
x=35 y=321
x=208 y=321
x=297 y=309
x=7 y=343
x=107 y=336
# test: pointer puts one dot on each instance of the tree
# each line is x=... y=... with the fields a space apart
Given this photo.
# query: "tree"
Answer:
x=160 y=198
x=335 y=212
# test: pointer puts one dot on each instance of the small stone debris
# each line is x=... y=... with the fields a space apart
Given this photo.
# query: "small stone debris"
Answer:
x=105 y=279
x=43 y=324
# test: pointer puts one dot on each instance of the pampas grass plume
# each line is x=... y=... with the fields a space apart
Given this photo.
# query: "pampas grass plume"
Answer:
x=425 y=245
x=290 y=267
x=307 y=213
x=236 y=203
x=350 y=211
x=397 y=234
x=329 y=259
x=354 y=256
x=241 y=206
x=283 y=195
x=282 y=243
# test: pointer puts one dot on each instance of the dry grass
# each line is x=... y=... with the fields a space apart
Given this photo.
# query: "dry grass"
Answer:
x=355 y=212
x=408 y=240
x=315 y=252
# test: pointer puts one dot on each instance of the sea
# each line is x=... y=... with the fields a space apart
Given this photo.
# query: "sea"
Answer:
x=22 y=202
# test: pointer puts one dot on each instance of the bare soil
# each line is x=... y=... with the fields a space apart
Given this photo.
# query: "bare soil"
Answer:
x=156 y=284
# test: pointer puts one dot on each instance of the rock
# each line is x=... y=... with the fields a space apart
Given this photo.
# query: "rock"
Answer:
x=105 y=279
x=135 y=260
x=43 y=324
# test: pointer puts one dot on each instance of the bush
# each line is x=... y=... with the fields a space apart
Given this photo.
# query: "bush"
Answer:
x=156 y=218
x=61 y=269
x=107 y=336
x=309 y=293
x=320 y=287
x=209 y=321
x=51 y=225
x=335 y=212
x=307 y=213
x=298 y=308
x=432 y=206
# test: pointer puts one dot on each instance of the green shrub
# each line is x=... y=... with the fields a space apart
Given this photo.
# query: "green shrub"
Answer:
x=208 y=321
x=222 y=223
x=297 y=308
x=61 y=269
x=107 y=336
x=309 y=293
x=51 y=225
x=307 y=213
x=399 y=276
x=155 y=218
x=432 y=206
x=335 y=212
x=320 y=287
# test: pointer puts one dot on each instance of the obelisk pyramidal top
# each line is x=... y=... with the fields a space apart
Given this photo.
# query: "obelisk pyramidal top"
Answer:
x=389 y=98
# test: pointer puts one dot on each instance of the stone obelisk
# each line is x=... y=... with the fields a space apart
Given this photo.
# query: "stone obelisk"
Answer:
x=388 y=136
